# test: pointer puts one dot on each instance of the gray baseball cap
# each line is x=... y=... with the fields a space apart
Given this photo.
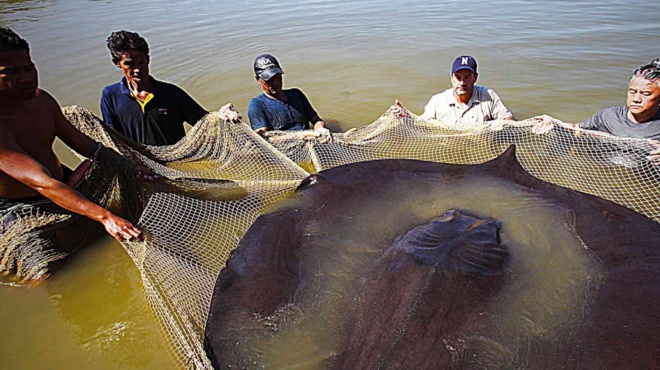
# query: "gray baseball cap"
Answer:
x=266 y=66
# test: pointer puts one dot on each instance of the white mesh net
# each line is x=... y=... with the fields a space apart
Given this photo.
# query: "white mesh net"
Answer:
x=222 y=176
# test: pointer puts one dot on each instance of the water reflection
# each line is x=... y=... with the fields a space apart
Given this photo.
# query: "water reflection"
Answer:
x=23 y=10
x=91 y=313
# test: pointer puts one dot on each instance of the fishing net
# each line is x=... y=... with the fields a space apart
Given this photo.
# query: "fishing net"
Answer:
x=36 y=234
x=222 y=176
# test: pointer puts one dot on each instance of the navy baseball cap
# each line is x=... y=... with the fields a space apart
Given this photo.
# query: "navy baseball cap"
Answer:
x=464 y=62
x=266 y=66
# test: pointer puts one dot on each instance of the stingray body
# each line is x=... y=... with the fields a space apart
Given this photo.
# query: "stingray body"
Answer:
x=433 y=292
x=449 y=269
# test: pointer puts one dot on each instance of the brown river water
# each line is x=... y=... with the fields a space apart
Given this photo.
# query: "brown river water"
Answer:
x=567 y=59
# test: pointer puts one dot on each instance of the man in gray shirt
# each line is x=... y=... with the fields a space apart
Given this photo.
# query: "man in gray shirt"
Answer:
x=639 y=118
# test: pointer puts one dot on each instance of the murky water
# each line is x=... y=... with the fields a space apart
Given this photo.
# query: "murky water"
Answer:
x=563 y=58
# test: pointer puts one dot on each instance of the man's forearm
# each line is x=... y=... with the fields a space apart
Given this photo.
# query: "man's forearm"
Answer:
x=71 y=200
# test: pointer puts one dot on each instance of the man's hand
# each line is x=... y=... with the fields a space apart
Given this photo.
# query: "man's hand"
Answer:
x=544 y=124
x=144 y=174
x=497 y=125
x=325 y=135
x=229 y=113
x=654 y=155
x=398 y=110
x=121 y=229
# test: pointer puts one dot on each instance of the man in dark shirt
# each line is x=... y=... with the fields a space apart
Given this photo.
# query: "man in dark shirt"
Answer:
x=278 y=109
x=140 y=107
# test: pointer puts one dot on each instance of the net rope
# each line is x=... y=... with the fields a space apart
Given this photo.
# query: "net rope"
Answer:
x=222 y=176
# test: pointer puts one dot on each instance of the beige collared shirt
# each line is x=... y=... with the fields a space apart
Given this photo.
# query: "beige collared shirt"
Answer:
x=484 y=105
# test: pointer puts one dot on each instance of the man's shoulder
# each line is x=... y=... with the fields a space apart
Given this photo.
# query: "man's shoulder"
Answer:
x=484 y=91
x=295 y=93
x=39 y=112
x=258 y=104
x=619 y=112
x=168 y=87
x=164 y=84
x=617 y=109
x=606 y=117
x=443 y=95
x=112 y=91
x=44 y=101
x=261 y=98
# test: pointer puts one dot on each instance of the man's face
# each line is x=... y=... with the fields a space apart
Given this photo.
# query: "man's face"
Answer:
x=272 y=86
x=462 y=81
x=643 y=98
x=18 y=75
x=135 y=66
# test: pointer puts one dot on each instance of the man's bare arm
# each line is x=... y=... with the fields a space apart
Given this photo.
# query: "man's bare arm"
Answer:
x=25 y=169
x=64 y=130
x=83 y=144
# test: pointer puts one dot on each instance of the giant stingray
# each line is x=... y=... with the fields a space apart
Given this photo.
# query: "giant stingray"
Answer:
x=411 y=264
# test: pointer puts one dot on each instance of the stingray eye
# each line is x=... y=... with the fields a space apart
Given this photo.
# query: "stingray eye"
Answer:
x=309 y=181
x=447 y=216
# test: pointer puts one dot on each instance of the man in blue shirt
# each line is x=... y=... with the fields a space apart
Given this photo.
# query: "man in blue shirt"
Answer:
x=278 y=109
x=140 y=107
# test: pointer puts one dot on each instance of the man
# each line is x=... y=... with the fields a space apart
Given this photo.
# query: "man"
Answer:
x=140 y=107
x=30 y=119
x=465 y=105
x=277 y=109
x=639 y=118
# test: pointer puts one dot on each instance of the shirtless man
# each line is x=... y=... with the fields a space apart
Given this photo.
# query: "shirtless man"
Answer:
x=30 y=119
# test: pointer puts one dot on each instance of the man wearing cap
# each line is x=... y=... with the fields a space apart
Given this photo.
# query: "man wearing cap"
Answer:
x=466 y=104
x=278 y=109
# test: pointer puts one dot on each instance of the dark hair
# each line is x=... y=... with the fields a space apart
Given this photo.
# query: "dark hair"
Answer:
x=650 y=72
x=10 y=40
x=122 y=41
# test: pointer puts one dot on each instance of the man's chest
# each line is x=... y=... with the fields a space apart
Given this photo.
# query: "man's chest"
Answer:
x=282 y=113
x=465 y=114
x=129 y=109
x=33 y=130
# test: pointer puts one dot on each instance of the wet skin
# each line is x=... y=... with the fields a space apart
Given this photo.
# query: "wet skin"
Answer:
x=413 y=287
x=30 y=119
